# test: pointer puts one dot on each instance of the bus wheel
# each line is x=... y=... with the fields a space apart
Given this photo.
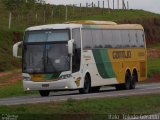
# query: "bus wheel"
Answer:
x=133 y=81
x=87 y=85
x=127 y=81
x=95 y=89
x=44 y=93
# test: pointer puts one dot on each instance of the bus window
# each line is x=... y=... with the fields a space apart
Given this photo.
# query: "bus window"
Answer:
x=35 y=36
x=97 y=38
x=117 y=41
x=125 y=38
x=140 y=38
x=133 y=40
x=58 y=35
x=77 y=38
x=87 y=39
x=77 y=50
x=107 y=38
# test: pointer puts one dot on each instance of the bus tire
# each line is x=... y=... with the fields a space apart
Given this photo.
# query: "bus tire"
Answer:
x=87 y=85
x=133 y=81
x=127 y=81
x=95 y=89
x=44 y=93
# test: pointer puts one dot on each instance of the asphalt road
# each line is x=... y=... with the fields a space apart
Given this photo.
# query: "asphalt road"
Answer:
x=141 y=89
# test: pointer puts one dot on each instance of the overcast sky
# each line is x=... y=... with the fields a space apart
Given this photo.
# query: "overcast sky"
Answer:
x=149 y=5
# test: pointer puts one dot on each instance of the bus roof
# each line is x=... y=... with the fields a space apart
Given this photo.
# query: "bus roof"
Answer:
x=105 y=24
x=92 y=22
x=53 y=26
x=88 y=24
x=117 y=27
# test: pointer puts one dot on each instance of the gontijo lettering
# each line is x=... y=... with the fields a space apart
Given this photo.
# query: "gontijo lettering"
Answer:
x=121 y=54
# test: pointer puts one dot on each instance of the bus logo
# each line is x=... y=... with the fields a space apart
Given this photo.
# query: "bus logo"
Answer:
x=121 y=54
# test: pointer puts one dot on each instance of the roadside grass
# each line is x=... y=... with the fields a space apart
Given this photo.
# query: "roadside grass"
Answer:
x=11 y=85
x=154 y=46
x=15 y=89
x=120 y=15
x=88 y=109
x=153 y=66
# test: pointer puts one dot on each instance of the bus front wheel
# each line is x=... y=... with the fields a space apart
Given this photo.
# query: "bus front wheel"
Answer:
x=44 y=93
x=87 y=85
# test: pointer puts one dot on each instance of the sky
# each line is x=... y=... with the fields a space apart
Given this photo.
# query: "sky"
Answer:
x=148 y=5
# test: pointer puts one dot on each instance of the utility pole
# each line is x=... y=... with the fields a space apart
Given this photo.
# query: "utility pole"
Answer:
x=98 y=4
x=66 y=16
x=103 y=6
x=108 y=4
x=113 y=4
x=128 y=5
x=86 y=8
x=10 y=20
x=118 y=4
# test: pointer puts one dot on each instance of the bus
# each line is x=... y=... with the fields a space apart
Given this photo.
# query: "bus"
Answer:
x=82 y=55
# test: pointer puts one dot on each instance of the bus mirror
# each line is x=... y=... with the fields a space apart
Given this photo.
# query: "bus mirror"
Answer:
x=15 y=49
x=70 y=47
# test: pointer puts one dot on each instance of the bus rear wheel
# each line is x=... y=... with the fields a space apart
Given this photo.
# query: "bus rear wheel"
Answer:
x=127 y=81
x=44 y=93
x=126 y=85
x=133 y=81
x=87 y=85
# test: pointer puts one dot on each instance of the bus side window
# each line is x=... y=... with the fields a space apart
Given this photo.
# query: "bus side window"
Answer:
x=125 y=38
x=107 y=38
x=140 y=37
x=133 y=38
x=87 y=39
x=77 y=50
x=97 y=38
x=117 y=40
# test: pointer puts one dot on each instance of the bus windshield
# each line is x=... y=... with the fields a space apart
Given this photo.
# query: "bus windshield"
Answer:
x=47 y=54
x=46 y=36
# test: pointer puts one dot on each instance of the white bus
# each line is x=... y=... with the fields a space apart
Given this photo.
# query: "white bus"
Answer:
x=82 y=55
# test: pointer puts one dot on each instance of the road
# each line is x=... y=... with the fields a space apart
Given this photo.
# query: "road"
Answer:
x=141 y=89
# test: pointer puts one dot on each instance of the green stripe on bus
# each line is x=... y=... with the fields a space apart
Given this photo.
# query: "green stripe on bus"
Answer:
x=103 y=63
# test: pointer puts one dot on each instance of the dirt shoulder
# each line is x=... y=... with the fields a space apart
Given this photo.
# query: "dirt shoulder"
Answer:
x=7 y=78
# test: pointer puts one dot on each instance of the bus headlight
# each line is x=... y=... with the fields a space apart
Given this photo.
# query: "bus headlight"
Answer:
x=26 y=78
x=65 y=76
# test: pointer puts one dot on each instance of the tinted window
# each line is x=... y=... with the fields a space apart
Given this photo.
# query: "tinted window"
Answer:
x=77 y=37
x=116 y=41
x=140 y=38
x=97 y=38
x=35 y=36
x=58 y=35
x=47 y=36
x=125 y=38
x=133 y=39
x=107 y=38
x=87 y=38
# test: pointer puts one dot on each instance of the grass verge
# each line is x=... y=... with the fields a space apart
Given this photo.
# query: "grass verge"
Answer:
x=88 y=109
x=153 y=66
x=15 y=89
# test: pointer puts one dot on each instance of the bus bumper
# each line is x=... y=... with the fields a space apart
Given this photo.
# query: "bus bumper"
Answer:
x=66 y=84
